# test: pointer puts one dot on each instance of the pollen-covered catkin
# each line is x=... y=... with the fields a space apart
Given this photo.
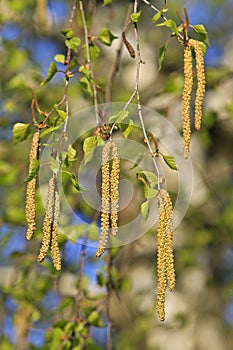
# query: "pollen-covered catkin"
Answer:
x=48 y=221
x=161 y=259
x=114 y=194
x=105 y=197
x=186 y=98
x=201 y=81
x=30 y=207
x=165 y=257
x=54 y=239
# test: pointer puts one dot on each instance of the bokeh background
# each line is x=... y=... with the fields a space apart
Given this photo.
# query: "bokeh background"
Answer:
x=33 y=297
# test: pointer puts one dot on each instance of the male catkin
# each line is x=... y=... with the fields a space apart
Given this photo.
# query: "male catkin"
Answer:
x=114 y=194
x=201 y=81
x=105 y=198
x=30 y=207
x=186 y=98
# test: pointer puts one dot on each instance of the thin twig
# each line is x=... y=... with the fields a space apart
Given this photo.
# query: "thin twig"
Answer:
x=116 y=63
x=108 y=298
x=97 y=117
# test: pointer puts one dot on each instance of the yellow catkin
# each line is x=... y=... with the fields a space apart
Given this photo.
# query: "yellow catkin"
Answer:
x=54 y=241
x=30 y=208
x=186 y=98
x=171 y=279
x=114 y=182
x=48 y=221
x=165 y=256
x=201 y=81
x=161 y=259
x=105 y=197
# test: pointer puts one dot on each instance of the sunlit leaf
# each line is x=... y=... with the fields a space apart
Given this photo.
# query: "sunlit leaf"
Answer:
x=170 y=24
x=89 y=145
x=135 y=16
x=94 y=51
x=68 y=33
x=95 y=320
x=119 y=117
x=157 y=16
x=145 y=209
x=74 y=180
x=48 y=131
x=106 y=37
x=20 y=132
x=106 y=2
x=150 y=177
x=51 y=72
x=73 y=43
x=59 y=58
x=150 y=192
x=201 y=32
x=170 y=161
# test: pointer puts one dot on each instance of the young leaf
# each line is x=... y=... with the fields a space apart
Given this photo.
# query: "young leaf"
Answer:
x=94 y=51
x=202 y=33
x=138 y=160
x=150 y=177
x=86 y=86
x=145 y=209
x=95 y=320
x=106 y=2
x=34 y=170
x=59 y=58
x=70 y=157
x=88 y=146
x=119 y=117
x=170 y=24
x=135 y=16
x=48 y=131
x=74 y=180
x=128 y=129
x=157 y=16
x=68 y=33
x=150 y=192
x=170 y=161
x=20 y=132
x=73 y=63
x=51 y=72
x=101 y=279
x=106 y=37
x=162 y=53
x=73 y=43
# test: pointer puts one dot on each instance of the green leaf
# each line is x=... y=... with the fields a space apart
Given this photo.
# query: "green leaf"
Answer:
x=138 y=160
x=34 y=170
x=86 y=86
x=157 y=16
x=68 y=33
x=162 y=53
x=74 y=180
x=150 y=192
x=51 y=72
x=135 y=16
x=70 y=157
x=106 y=2
x=106 y=37
x=73 y=43
x=73 y=63
x=202 y=33
x=101 y=279
x=59 y=58
x=48 y=131
x=170 y=161
x=150 y=177
x=94 y=51
x=170 y=24
x=128 y=129
x=89 y=145
x=95 y=320
x=119 y=117
x=20 y=132
x=145 y=209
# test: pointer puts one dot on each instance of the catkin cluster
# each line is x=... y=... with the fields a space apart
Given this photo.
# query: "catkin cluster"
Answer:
x=50 y=224
x=109 y=194
x=187 y=90
x=30 y=208
x=165 y=256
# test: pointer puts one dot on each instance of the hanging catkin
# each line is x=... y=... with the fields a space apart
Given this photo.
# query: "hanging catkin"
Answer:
x=30 y=207
x=200 y=71
x=186 y=98
x=50 y=224
x=105 y=198
x=165 y=257
x=114 y=194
